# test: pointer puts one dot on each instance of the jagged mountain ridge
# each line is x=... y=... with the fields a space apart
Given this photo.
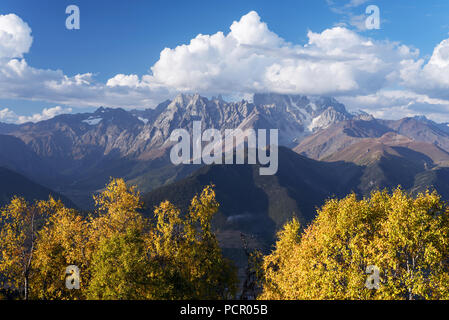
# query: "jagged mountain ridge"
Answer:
x=84 y=150
x=134 y=133
x=76 y=154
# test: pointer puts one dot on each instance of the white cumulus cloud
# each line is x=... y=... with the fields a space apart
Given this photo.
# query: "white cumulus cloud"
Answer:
x=9 y=116
x=431 y=77
x=247 y=58
x=251 y=58
x=15 y=37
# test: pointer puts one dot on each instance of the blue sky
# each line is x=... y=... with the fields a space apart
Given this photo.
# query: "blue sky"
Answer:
x=127 y=37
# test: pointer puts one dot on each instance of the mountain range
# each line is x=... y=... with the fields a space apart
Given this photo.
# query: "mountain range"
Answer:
x=75 y=154
x=325 y=151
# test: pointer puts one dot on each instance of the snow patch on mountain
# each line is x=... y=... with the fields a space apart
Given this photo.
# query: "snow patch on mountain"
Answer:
x=93 y=121
x=145 y=121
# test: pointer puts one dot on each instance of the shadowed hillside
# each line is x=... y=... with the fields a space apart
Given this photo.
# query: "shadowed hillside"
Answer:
x=257 y=204
x=14 y=184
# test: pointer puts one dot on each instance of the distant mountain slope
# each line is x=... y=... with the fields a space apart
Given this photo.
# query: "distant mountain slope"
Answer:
x=437 y=178
x=14 y=184
x=421 y=129
x=17 y=156
x=340 y=135
x=259 y=205
x=391 y=160
x=5 y=128
x=368 y=150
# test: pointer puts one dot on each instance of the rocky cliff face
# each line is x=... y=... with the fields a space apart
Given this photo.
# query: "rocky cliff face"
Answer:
x=294 y=116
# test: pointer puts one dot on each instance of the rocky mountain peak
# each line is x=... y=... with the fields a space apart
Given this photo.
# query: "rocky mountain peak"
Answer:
x=118 y=132
x=362 y=115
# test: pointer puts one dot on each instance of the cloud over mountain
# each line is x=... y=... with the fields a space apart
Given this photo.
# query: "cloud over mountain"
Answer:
x=7 y=115
x=249 y=58
x=432 y=77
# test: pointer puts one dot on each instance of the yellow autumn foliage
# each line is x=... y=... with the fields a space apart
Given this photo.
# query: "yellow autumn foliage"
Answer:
x=120 y=253
x=406 y=238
